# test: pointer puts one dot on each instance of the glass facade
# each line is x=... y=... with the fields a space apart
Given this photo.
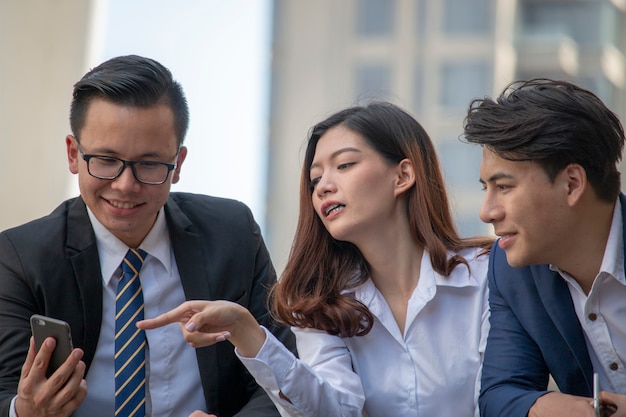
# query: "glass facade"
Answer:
x=467 y=17
x=375 y=17
x=372 y=82
x=462 y=81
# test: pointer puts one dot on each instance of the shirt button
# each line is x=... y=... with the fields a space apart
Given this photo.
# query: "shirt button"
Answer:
x=613 y=366
x=593 y=316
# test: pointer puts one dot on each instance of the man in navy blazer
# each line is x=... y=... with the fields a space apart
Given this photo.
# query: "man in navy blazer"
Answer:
x=556 y=274
x=129 y=119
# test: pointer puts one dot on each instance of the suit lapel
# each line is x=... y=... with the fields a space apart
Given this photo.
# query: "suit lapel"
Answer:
x=557 y=301
x=82 y=252
x=622 y=199
x=190 y=258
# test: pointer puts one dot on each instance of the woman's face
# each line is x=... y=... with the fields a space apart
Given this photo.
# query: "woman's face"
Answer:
x=353 y=186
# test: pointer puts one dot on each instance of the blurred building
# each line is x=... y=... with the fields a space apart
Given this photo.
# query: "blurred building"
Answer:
x=431 y=57
x=45 y=49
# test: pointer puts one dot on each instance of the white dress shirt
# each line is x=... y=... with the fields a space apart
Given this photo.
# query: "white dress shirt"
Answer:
x=173 y=378
x=602 y=313
x=433 y=370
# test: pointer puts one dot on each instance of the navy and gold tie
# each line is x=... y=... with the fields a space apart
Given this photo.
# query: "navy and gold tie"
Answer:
x=130 y=342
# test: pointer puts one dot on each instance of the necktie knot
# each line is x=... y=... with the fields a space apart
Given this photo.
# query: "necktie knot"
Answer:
x=133 y=261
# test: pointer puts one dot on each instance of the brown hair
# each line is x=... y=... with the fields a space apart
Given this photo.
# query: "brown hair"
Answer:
x=312 y=290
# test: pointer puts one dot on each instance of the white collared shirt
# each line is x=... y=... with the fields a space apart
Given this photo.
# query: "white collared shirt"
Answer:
x=174 y=387
x=433 y=370
x=602 y=314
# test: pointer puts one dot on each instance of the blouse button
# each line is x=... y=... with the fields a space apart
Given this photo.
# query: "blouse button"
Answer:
x=613 y=366
x=593 y=316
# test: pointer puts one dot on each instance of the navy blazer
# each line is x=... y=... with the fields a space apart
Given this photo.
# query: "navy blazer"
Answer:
x=50 y=266
x=534 y=333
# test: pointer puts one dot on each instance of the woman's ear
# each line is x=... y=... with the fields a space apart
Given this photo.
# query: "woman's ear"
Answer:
x=405 y=178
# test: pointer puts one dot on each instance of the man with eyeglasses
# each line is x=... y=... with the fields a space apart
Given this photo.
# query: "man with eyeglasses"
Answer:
x=129 y=119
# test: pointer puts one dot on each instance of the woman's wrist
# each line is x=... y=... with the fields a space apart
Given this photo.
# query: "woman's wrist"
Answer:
x=247 y=335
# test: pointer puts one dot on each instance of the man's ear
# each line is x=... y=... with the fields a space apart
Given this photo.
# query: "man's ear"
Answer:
x=72 y=153
x=405 y=178
x=180 y=158
x=575 y=178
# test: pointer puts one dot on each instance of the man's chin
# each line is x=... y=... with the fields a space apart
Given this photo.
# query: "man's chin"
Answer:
x=515 y=261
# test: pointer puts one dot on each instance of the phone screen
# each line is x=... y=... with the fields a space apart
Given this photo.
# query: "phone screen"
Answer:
x=43 y=327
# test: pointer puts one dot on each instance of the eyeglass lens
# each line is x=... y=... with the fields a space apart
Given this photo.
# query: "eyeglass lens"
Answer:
x=145 y=171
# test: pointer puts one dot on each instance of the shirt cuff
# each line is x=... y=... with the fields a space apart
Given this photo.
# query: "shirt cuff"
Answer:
x=272 y=364
x=12 y=412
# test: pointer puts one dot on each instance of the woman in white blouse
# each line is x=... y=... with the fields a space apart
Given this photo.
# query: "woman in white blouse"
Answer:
x=387 y=302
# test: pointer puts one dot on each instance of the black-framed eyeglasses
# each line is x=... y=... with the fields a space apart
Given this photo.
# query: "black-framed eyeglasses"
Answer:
x=109 y=168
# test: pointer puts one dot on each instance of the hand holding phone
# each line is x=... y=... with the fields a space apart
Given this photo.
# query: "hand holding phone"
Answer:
x=43 y=327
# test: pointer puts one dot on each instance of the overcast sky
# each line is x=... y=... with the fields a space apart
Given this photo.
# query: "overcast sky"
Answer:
x=219 y=50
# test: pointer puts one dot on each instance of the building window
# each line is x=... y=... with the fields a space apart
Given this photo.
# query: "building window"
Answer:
x=461 y=82
x=462 y=17
x=461 y=164
x=421 y=19
x=375 y=17
x=587 y=23
x=372 y=82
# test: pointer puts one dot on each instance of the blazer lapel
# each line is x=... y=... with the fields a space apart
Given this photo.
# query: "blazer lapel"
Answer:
x=557 y=301
x=82 y=252
x=622 y=199
x=190 y=258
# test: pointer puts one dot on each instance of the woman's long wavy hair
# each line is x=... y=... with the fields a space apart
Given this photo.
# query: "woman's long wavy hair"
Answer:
x=311 y=291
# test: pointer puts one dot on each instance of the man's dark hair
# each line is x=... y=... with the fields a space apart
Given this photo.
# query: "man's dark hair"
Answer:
x=552 y=123
x=130 y=81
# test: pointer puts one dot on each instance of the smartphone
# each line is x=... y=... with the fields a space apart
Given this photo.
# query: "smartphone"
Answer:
x=43 y=327
x=596 y=394
x=601 y=410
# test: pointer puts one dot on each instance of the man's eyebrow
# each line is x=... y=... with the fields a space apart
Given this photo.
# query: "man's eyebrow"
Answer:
x=495 y=177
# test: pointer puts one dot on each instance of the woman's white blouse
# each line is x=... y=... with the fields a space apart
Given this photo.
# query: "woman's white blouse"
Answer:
x=433 y=370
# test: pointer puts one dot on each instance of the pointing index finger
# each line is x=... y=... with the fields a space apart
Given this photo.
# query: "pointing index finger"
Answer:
x=180 y=314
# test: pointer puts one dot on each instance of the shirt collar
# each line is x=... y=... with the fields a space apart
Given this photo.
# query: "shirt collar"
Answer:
x=428 y=282
x=613 y=258
x=111 y=250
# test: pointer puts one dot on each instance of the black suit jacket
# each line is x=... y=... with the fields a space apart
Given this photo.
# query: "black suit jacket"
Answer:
x=50 y=266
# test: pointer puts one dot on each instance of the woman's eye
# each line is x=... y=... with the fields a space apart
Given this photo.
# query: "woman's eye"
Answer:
x=313 y=182
x=345 y=165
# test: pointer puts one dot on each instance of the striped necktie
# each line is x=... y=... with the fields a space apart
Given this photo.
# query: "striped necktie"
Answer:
x=130 y=342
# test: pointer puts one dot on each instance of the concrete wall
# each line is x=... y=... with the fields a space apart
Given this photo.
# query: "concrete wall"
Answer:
x=44 y=49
